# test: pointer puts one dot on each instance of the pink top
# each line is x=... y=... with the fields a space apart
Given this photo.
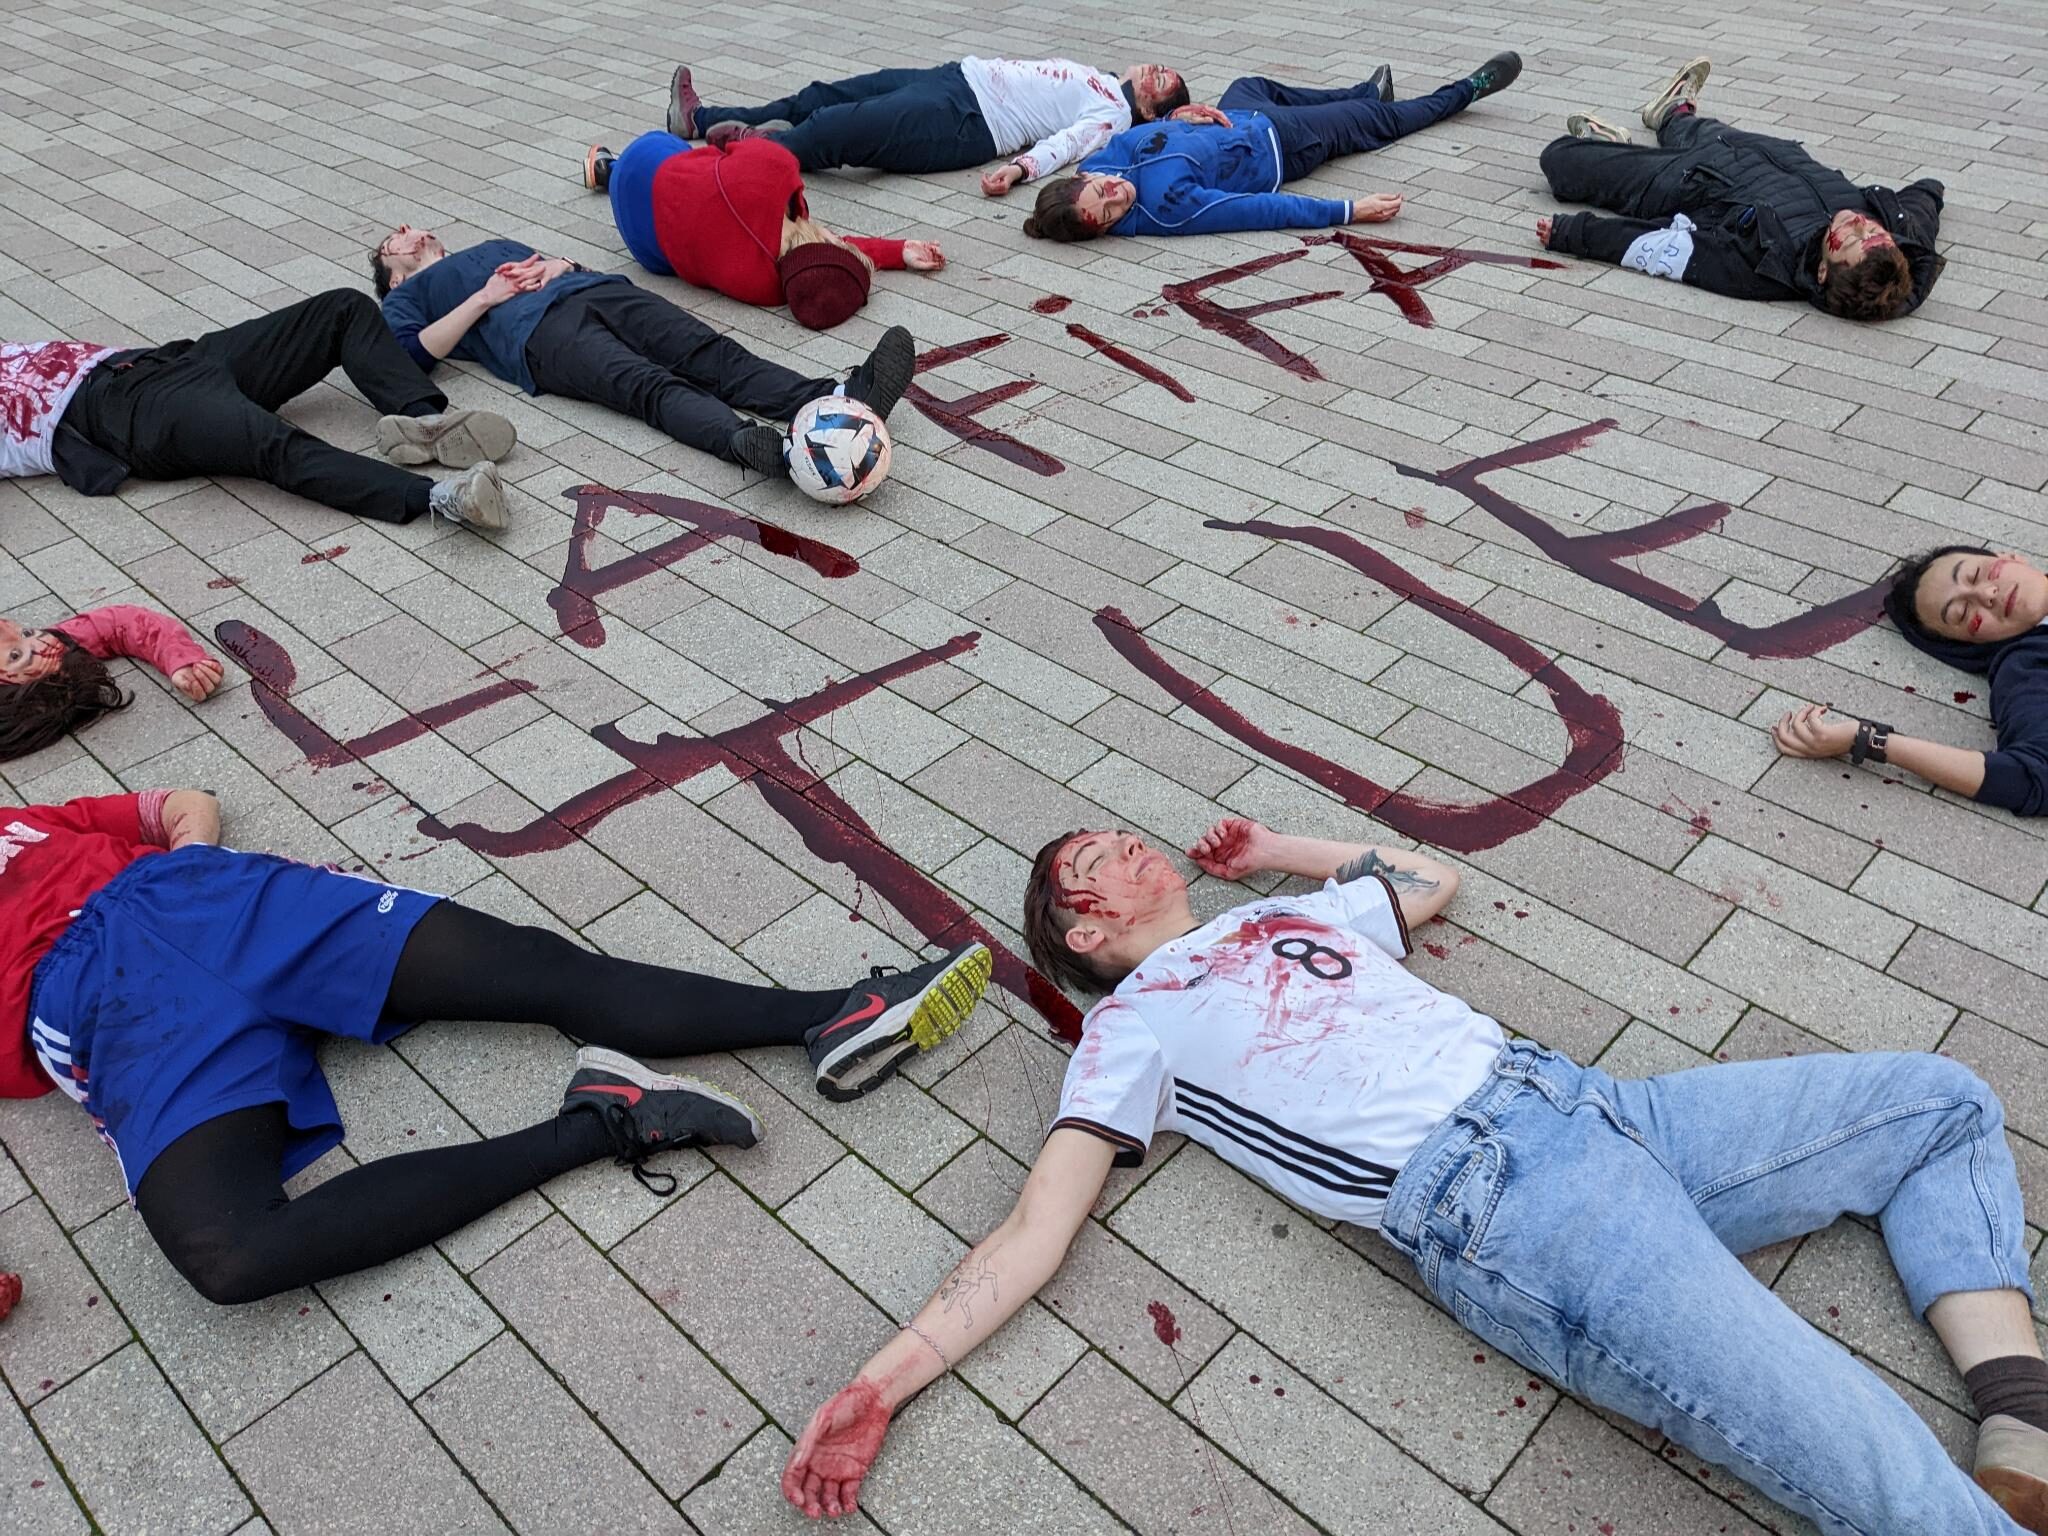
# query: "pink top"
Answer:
x=145 y=634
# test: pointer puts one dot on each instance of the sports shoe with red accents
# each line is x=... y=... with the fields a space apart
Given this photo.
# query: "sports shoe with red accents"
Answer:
x=645 y=1112
x=892 y=1014
x=683 y=102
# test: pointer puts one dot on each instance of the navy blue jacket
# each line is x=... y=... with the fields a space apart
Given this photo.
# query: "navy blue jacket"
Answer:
x=2016 y=775
x=498 y=340
x=1204 y=179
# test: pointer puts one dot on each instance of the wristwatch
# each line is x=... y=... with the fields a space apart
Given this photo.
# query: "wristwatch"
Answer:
x=1871 y=736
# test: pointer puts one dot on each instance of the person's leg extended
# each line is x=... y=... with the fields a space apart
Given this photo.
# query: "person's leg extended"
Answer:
x=215 y=1204
x=1637 y=1302
x=459 y=963
x=1631 y=179
x=692 y=353
x=1311 y=135
x=817 y=96
x=932 y=124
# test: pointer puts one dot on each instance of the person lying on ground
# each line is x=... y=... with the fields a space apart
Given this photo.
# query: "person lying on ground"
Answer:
x=1286 y=1037
x=54 y=681
x=1041 y=113
x=1224 y=171
x=734 y=219
x=94 y=415
x=552 y=327
x=1985 y=613
x=177 y=990
x=1749 y=215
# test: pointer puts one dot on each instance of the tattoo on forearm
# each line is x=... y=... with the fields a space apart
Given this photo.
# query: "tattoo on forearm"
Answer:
x=1370 y=863
x=964 y=1286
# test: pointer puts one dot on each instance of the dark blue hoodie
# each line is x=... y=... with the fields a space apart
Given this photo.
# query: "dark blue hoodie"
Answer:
x=2016 y=775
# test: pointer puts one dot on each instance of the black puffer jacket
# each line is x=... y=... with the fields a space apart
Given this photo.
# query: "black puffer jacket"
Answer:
x=1762 y=205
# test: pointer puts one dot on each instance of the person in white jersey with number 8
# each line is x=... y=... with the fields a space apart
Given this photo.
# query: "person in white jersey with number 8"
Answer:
x=1286 y=1037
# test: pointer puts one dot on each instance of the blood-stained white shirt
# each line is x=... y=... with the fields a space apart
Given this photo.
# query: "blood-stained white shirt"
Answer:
x=1053 y=110
x=1288 y=1039
x=37 y=380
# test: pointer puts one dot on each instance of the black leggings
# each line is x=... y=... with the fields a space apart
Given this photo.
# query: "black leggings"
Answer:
x=215 y=1203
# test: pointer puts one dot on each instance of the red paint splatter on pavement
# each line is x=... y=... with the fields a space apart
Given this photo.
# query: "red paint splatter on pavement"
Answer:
x=1592 y=723
x=1052 y=304
x=222 y=583
x=1399 y=283
x=1130 y=360
x=958 y=416
x=1599 y=557
x=1963 y=695
x=319 y=555
x=574 y=598
x=1164 y=1326
x=1236 y=323
x=10 y=1293
x=1438 y=951
x=1413 y=517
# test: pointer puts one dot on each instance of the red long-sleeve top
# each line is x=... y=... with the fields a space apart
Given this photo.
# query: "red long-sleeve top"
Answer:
x=718 y=218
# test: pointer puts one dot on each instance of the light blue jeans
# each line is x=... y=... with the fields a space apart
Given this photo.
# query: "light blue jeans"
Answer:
x=1588 y=1227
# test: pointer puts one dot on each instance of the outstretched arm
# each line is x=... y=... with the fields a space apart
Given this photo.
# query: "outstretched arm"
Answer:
x=1237 y=846
x=157 y=638
x=1813 y=731
x=1002 y=1272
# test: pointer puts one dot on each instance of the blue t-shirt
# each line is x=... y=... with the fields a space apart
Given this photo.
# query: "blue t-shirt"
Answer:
x=498 y=340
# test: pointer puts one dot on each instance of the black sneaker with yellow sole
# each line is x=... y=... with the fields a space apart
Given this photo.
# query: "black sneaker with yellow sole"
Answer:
x=892 y=1014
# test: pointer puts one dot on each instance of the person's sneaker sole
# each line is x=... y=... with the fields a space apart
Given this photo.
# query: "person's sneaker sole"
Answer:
x=595 y=1058
x=866 y=1059
x=486 y=504
x=1686 y=85
x=683 y=102
x=759 y=448
x=457 y=439
x=892 y=365
x=591 y=156
x=1584 y=125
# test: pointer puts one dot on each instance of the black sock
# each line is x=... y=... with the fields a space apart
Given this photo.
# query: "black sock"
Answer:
x=421 y=408
x=2012 y=1384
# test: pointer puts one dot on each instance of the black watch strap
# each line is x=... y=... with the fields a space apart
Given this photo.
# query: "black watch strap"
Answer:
x=1871 y=737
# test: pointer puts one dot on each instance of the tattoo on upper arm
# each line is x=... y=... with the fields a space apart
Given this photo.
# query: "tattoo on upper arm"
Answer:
x=964 y=1286
x=1402 y=880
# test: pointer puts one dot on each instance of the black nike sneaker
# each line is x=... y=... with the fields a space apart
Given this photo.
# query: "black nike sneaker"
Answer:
x=645 y=1112
x=1496 y=74
x=760 y=448
x=892 y=1014
x=880 y=381
x=1382 y=81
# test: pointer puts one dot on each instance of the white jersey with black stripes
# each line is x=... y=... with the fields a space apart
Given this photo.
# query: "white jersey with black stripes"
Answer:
x=1288 y=1039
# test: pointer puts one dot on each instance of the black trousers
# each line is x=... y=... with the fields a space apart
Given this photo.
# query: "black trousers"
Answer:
x=208 y=407
x=1316 y=125
x=906 y=120
x=214 y=1202
x=1634 y=179
x=621 y=346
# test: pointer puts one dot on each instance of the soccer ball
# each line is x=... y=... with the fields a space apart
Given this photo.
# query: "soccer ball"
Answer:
x=838 y=450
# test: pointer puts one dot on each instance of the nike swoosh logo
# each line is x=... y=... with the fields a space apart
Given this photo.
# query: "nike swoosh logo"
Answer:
x=871 y=1009
x=629 y=1094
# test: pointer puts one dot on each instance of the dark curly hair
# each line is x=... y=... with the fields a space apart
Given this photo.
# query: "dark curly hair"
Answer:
x=33 y=715
x=1879 y=287
x=1901 y=598
x=380 y=271
x=1057 y=214
x=1046 y=921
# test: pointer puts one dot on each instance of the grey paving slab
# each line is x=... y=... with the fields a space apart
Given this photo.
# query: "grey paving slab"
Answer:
x=64 y=1321
x=33 y=1494
x=134 y=1454
x=415 y=1316
x=1090 y=1425
x=346 y=1454
x=646 y=1384
x=531 y=1448
x=229 y=1365
x=1421 y=1382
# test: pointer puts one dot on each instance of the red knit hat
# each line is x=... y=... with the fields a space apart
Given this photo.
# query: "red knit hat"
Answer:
x=823 y=283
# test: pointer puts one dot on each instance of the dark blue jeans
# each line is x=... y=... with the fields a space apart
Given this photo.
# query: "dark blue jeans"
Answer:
x=908 y=120
x=1319 y=125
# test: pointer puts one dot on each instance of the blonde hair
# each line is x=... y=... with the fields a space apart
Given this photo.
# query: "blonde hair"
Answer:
x=804 y=230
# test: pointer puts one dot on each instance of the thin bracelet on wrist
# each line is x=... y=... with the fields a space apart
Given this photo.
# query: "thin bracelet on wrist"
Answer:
x=929 y=1344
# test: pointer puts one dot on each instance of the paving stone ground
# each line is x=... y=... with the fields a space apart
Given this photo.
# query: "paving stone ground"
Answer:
x=589 y=1358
